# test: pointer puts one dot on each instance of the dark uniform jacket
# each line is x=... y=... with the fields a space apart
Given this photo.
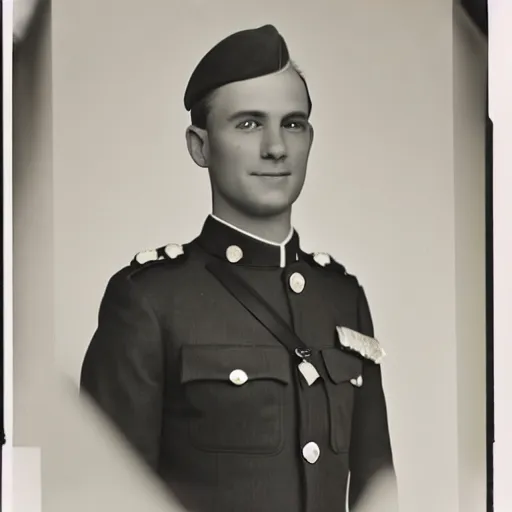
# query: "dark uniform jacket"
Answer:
x=214 y=403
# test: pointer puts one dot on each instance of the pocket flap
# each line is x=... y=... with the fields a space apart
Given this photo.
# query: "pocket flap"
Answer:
x=341 y=366
x=214 y=362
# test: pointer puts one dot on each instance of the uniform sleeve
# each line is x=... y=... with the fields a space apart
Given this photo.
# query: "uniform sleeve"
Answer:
x=123 y=367
x=370 y=448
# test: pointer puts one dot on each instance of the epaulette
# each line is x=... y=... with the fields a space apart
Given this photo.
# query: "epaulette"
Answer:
x=152 y=257
x=325 y=260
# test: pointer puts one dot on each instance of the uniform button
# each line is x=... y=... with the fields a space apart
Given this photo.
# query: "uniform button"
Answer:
x=357 y=382
x=234 y=253
x=173 y=250
x=238 y=377
x=297 y=282
x=311 y=452
x=322 y=258
x=146 y=256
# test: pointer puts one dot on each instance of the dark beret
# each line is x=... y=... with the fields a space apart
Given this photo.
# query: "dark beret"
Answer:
x=241 y=56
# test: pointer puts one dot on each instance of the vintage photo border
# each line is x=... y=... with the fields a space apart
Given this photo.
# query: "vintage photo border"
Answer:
x=498 y=251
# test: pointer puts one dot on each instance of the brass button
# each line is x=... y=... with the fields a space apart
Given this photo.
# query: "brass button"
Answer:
x=322 y=258
x=311 y=452
x=357 y=382
x=238 y=377
x=297 y=282
x=146 y=256
x=173 y=250
x=234 y=253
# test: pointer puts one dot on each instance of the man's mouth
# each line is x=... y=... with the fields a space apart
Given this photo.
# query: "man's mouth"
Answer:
x=272 y=174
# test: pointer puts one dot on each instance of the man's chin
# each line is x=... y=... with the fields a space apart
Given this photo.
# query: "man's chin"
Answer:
x=270 y=209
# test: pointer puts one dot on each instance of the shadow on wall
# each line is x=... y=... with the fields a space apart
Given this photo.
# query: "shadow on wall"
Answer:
x=84 y=466
x=100 y=472
x=25 y=14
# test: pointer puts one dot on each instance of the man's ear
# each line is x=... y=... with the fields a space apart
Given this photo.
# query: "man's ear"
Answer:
x=197 y=144
x=312 y=135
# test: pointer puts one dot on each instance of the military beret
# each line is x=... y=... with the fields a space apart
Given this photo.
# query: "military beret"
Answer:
x=241 y=56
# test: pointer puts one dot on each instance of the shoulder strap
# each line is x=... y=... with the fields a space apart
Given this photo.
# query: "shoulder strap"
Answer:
x=255 y=304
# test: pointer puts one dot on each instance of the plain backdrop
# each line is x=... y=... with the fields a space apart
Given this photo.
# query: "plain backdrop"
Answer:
x=395 y=192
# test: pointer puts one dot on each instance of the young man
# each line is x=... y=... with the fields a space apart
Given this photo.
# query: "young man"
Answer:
x=242 y=369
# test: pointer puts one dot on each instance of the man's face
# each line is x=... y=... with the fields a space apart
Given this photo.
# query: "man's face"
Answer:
x=258 y=143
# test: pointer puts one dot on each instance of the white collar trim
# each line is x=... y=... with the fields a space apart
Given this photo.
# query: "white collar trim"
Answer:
x=255 y=237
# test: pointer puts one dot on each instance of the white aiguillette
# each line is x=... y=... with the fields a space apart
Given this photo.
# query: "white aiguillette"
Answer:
x=309 y=372
x=366 y=346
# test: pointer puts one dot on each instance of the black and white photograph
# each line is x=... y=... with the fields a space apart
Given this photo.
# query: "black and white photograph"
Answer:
x=251 y=256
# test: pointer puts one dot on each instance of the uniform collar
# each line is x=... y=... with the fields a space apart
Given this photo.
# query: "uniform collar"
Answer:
x=237 y=246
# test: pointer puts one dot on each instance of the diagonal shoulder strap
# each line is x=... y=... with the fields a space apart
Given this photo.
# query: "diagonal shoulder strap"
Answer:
x=255 y=304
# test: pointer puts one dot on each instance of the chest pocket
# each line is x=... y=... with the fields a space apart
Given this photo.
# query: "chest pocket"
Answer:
x=344 y=376
x=235 y=397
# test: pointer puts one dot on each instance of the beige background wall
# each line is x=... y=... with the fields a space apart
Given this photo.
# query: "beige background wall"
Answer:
x=395 y=192
x=470 y=67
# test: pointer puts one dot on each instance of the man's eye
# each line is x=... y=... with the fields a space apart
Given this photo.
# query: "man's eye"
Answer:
x=295 y=125
x=248 y=125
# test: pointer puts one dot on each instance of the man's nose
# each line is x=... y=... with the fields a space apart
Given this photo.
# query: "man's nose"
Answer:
x=273 y=144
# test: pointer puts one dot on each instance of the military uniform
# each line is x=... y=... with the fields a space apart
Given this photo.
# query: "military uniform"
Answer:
x=207 y=391
x=214 y=403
